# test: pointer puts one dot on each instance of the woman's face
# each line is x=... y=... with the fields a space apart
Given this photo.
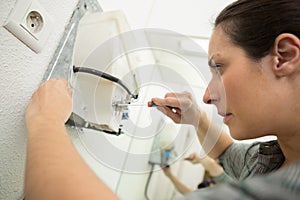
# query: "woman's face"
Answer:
x=250 y=94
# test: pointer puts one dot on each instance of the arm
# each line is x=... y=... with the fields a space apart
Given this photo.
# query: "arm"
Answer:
x=54 y=169
x=188 y=112
x=183 y=189
x=209 y=164
x=213 y=168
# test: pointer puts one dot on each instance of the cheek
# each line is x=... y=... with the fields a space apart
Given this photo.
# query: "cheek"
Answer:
x=243 y=102
x=242 y=87
x=234 y=90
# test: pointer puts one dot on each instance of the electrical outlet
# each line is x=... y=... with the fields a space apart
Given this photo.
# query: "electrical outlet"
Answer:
x=30 y=23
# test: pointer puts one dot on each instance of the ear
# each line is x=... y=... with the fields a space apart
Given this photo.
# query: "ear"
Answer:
x=287 y=52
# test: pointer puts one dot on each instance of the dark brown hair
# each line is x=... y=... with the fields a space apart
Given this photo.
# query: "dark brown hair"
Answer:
x=254 y=24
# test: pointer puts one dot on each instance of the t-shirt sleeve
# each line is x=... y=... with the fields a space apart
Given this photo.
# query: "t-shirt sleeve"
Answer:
x=236 y=156
x=222 y=178
x=283 y=184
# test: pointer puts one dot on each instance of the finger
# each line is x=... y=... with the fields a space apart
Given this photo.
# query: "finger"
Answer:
x=191 y=160
x=178 y=111
x=167 y=106
x=51 y=80
x=191 y=156
x=178 y=95
x=173 y=102
x=167 y=111
x=170 y=94
x=70 y=91
x=63 y=81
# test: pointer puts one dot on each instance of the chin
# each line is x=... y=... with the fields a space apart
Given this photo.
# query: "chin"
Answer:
x=239 y=134
x=239 y=138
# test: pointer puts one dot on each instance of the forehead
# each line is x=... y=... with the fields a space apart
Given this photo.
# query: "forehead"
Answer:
x=219 y=44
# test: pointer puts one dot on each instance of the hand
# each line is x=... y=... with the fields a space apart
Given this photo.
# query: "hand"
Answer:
x=208 y=162
x=167 y=171
x=180 y=107
x=51 y=101
x=194 y=158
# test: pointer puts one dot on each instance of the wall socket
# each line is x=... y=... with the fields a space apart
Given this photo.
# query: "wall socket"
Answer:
x=30 y=23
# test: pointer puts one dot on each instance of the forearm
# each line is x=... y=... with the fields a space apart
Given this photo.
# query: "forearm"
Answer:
x=218 y=140
x=54 y=169
x=213 y=168
x=183 y=189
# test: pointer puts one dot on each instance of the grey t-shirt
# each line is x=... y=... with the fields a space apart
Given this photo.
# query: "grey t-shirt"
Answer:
x=249 y=161
x=243 y=160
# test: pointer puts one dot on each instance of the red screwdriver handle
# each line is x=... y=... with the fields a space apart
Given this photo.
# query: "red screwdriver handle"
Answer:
x=151 y=104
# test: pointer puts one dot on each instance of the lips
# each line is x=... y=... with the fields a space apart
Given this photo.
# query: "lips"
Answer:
x=223 y=114
x=226 y=116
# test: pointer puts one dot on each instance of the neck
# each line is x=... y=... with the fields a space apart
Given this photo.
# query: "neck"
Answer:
x=290 y=147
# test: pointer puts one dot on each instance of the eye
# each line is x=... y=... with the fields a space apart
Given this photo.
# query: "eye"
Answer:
x=217 y=68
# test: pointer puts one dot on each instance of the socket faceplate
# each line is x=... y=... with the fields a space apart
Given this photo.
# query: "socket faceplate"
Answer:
x=30 y=23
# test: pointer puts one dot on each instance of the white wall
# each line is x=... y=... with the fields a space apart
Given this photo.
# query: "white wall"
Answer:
x=21 y=72
x=189 y=17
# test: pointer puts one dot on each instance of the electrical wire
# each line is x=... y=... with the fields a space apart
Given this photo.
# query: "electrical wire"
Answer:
x=148 y=181
x=105 y=76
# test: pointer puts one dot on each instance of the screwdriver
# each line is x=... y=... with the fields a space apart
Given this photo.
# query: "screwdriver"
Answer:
x=149 y=104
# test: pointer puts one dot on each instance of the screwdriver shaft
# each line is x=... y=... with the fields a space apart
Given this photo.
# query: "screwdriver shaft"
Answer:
x=128 y=104
x=149 y=104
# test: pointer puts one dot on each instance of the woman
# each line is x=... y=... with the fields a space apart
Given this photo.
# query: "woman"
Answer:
x=255 y=51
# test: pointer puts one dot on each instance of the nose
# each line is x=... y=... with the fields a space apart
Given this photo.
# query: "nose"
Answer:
x=211 y=95
x=207 y=97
